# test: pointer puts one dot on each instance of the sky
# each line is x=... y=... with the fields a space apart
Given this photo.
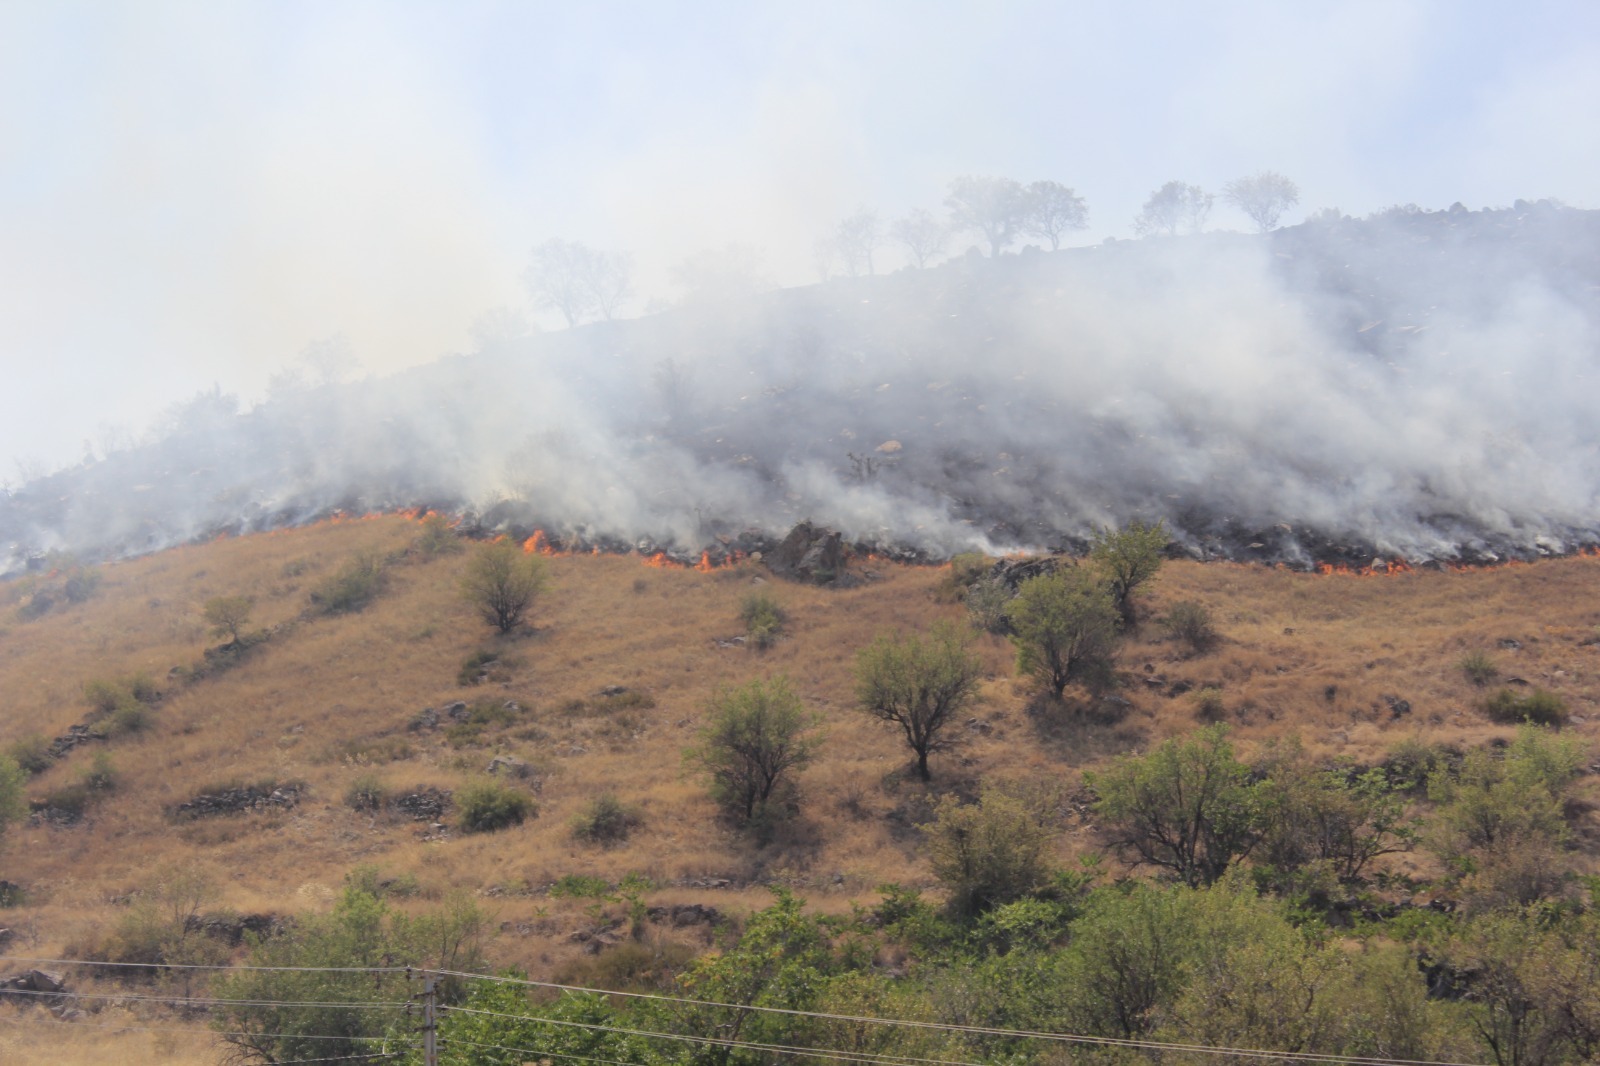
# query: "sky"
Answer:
x=197 y=194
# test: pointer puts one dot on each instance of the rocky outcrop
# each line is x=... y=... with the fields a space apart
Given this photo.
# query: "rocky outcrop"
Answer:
x=810 y=553
x=240 y=800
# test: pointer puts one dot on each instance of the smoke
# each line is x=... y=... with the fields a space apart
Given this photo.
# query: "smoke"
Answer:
x=1419 y=385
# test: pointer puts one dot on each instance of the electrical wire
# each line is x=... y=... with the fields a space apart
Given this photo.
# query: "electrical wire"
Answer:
x=198 y=966
x=977 y=1030
x=201 y=1001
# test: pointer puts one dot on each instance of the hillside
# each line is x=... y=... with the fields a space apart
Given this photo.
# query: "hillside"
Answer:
x=1418 y=385
x=1355 y=666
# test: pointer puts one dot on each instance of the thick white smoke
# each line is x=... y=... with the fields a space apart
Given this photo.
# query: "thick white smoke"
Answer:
x=1420 y=385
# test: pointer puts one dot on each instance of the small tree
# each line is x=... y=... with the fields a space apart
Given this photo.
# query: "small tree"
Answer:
x=1050 y=210
x=990 y=852
x=501 y=583
x=758 y=736
x=994 y=207
x=1064 y=627
x=12 y=804
x=921 y=235
x=1130 y=557
x=919 y=685
x=1263 y=197
x=228 y=615
x=1172 y=206
x=1188 y=806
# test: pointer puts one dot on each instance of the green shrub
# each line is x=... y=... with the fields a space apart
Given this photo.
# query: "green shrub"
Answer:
x=757 y=737
x=986 y=604
x=1191 y=623
x=355 y=585
x=763 y=620
x=487 y=805
x=991 y=852
x=366 y=793
x=101 y=776
x=481 y=718
x=438 y=536
x=606 y=820
x=32 y=753
x=120 y=706
x=1479 y=668
x=1208 y=704
x=965 y=571
x=1539 y=707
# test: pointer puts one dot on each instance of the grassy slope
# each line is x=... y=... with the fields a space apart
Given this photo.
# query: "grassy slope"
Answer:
x=293 y=708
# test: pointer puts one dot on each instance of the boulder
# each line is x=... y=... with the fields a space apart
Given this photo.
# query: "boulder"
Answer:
x=810 y=553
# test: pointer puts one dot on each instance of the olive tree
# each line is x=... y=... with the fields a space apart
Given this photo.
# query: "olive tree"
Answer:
x=757 y=737
x=501 y=583
x=995 y=207
x=919 y=684
x=1050 y=210
x=1064 y=626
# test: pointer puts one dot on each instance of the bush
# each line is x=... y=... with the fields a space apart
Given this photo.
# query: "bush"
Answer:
x=986 y=604
x=1479 y=668
x=606 y=820
x=120 y=706
x=474 y=669
x=501 y=583
x=1064 y=625
x=990 y=852
x=438 y=536
x=355 y=585
x=758 y=737
x=763 y=620
x=966 y=570
x=487 y=805
x=1539 y=707
x=1208 y=705
x=1191 y=623
x=370 y=879
x=32 y=754
x=366 y=793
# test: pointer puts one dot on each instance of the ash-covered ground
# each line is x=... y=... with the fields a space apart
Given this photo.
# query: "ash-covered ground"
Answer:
x=1420 y=385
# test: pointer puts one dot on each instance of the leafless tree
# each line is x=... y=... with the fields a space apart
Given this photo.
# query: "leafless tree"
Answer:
x=921 y=235
x=1050 y=209
x=1263 y=197
x=577 y=280
x=1172 y=206
x=856 y=238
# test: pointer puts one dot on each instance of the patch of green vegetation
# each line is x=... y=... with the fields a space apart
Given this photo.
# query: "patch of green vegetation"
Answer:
x=763 y=620
x=1538 y=706
x=487 y=805
x=353 y=587
x=482 y=718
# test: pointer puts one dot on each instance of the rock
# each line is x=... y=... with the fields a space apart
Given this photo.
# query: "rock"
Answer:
x=1398 y=707
x=40 y=981
x=427 y=718
x=613 y=690
x=424 y=805
x=240 y=800
x=682 y=915
x=510 y=766
x=1510 y=644
x=810 y=553
x=456 y=710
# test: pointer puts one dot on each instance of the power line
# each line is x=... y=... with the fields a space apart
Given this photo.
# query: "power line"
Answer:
x=860 y=1057
x=978 y=1030
x=216 y=966
x=203 y=1001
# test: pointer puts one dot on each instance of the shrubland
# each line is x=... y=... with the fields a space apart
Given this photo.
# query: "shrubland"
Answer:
x=1351 y=820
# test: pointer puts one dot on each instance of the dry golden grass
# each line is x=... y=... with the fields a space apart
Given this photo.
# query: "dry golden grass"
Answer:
x=331 y=698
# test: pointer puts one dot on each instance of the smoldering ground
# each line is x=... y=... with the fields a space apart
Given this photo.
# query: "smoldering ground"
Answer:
x=1418 y=385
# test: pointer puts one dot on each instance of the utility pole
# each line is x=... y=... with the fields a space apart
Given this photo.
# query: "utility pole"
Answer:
x=430 y=1018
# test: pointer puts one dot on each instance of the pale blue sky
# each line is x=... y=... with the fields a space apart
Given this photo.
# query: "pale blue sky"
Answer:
x=192 y=192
